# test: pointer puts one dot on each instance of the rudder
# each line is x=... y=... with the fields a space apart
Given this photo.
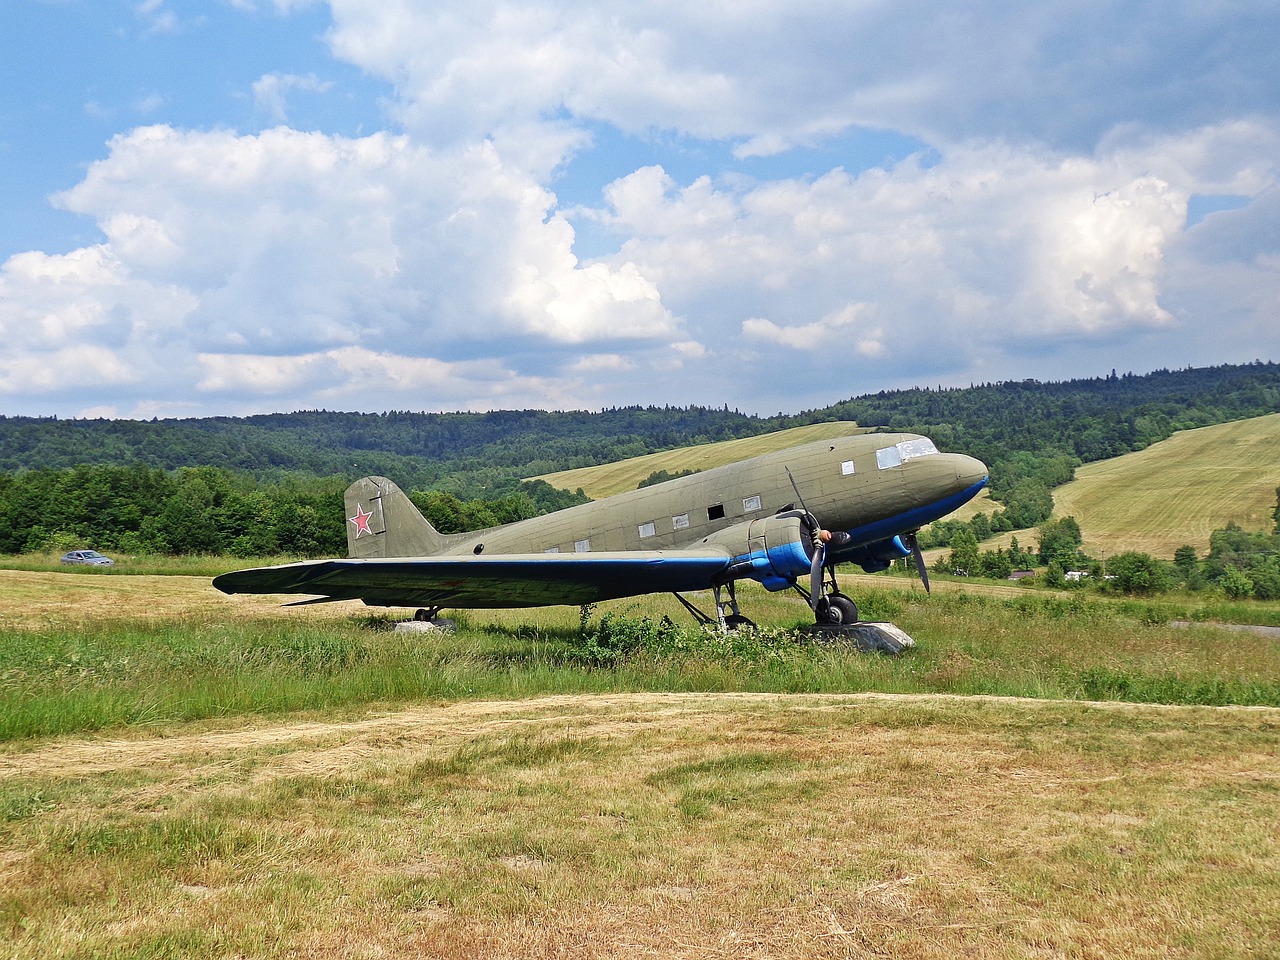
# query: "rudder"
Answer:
x=383 y=522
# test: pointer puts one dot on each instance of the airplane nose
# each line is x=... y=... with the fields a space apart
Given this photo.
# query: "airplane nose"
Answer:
x=971 y=470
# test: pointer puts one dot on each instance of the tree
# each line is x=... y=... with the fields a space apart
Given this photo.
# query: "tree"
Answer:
x=995 y=565
x=1060 y=541
x=1028 y=503
x=1236 y=583
x=1136 y=572
x=963 y=560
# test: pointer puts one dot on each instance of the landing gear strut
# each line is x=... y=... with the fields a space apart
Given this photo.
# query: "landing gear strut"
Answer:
x=726 y=622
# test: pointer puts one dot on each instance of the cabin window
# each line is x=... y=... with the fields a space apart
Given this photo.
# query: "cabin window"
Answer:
x=750 y=503
x=887 y=457
x=551 y=550
x=647 y=530
x=715 y=511
x=582 y=546
x=846 y=468
x=680 y=522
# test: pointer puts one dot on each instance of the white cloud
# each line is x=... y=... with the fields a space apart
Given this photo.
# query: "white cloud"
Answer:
x=1044 y=224
x=292 y=245
x=1049 y=72
x=271 y=92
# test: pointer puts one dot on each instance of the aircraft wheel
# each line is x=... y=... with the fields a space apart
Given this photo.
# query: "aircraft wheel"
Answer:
x=422 y=615
x=838 y=610
x=739 y=623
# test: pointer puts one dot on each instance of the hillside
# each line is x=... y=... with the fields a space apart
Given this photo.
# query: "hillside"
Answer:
x=1178 y=491
x=609 y=478
x=1024 y=430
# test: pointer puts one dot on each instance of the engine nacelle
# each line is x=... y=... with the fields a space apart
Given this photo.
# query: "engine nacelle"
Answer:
x=874 y=557
x=775 y=550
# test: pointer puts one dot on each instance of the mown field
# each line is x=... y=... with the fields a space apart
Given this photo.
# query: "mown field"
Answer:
x=607 y=479
x=1178 y=491
x=185 y=774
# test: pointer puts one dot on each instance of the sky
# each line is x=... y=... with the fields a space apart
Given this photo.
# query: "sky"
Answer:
x=232 y=207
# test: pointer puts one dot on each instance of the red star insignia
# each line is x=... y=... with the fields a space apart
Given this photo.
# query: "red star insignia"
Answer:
x=361 y=520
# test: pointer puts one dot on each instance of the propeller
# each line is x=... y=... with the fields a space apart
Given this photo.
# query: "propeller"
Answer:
x=918 y=556
x=819 y=546
x=815 y=568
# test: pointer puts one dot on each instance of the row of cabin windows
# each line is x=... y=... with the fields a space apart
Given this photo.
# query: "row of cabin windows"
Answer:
x=886 y=458
x=714 y=512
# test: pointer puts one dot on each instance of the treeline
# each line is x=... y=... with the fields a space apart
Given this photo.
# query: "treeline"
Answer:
x=206 y=510
x=1240 y=563
x=1032 y=435
x=467 y=454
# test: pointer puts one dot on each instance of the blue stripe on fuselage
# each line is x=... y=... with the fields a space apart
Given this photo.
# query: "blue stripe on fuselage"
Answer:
x=911 y=519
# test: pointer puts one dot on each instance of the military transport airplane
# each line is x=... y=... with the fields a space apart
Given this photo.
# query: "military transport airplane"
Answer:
x=778 y=519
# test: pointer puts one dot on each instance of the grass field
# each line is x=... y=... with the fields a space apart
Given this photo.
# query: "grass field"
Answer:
x=610 y=478
x=655 y=825
x=189 y=775
x=1178 y=491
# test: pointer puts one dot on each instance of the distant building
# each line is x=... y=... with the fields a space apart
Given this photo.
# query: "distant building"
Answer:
x=1022 y=575
x=1075 y=574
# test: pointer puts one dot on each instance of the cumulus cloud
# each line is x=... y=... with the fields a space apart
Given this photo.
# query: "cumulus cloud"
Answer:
x=1045 y=222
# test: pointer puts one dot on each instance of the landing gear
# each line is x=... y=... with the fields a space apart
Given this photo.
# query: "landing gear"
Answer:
x=426 y=614
x=725 y=621
x=831 y=608
x=836 y=610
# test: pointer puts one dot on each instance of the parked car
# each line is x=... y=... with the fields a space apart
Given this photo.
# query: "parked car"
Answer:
x=92 y=557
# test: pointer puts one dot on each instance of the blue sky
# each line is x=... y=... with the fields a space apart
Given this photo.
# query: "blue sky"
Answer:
x=241 y=206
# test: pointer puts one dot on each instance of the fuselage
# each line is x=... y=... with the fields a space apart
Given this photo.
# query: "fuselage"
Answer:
x=874 y=486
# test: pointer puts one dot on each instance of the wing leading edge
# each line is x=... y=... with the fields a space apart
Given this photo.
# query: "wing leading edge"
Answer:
x=506 y=580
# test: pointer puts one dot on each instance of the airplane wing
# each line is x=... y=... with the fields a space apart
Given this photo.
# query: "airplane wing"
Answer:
x=502 y=580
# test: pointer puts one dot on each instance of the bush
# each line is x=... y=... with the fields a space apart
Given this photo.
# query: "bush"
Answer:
x=1140 y=573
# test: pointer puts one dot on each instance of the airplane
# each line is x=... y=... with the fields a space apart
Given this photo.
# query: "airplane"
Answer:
x=780 y=519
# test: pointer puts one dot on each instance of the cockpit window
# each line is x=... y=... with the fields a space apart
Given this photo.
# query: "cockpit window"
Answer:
x=894 y=456
x=887 y=457
x=920 y=447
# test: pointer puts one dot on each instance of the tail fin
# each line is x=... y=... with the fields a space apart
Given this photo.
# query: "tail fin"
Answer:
x=383 y=522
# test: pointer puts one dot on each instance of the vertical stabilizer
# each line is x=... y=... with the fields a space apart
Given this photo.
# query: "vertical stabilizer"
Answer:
x=383 y=522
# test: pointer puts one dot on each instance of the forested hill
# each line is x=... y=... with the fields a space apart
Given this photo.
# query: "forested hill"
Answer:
x=1084 y=419
x=418 y=449
x=1019 y=428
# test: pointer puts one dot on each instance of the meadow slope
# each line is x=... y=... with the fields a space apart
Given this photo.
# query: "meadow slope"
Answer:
x=1177 y=491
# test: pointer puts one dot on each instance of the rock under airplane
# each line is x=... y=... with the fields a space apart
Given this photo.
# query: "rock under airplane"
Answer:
x=783 y=519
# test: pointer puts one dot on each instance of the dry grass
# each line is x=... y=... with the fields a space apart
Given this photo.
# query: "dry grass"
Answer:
x=644 y=824
x=610 y=478
x=32 y=599
x=656 y=825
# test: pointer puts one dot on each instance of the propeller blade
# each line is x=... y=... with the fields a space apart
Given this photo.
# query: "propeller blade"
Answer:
x=815 y=573
x=919 y=559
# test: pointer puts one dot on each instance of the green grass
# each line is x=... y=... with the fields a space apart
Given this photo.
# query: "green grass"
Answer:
x=1178 y=491
x=68 y=678
x=656 y=826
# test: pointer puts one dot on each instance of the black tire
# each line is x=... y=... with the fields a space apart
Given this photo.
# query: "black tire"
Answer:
x=841 y=610
x=738 y=623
